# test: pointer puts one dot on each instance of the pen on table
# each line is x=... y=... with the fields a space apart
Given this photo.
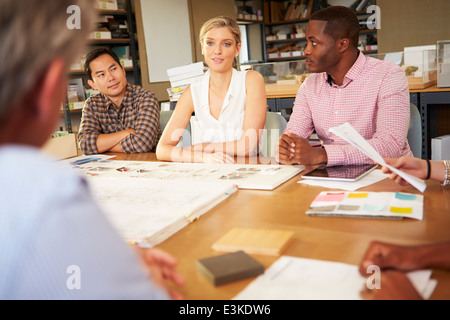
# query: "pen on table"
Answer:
x=83 y=161
x=139 y=243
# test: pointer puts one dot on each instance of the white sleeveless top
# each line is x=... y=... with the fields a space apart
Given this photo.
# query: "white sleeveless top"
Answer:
x=207 y=129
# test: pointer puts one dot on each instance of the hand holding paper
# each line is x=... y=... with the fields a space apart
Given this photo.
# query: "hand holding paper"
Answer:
x=348 y=133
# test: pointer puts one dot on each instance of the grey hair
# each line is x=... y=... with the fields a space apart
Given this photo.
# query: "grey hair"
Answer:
x=32 y=34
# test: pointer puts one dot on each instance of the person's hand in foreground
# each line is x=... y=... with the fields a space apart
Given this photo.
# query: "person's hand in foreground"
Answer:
x=161 y=267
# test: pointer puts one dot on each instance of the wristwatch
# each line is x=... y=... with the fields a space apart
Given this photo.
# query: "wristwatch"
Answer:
x=447 y=173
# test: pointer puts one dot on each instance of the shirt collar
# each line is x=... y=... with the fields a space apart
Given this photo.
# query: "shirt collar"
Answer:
x=205 y=93
x=357 y=67
x=352 y=73
x=127 y=98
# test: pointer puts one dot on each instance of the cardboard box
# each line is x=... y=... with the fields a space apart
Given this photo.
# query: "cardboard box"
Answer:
x=298 y=36
x=76 y=105
x=98 y=35
x=62 y=147
x=106 y=4
x=126 y=63
x=440 y=148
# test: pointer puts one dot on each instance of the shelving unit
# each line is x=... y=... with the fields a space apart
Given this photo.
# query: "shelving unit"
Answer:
x=133 y=73
x=253 y=30
x=271 y=27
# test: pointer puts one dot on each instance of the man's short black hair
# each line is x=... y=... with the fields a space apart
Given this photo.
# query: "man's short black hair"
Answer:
x=94 y=54
x=342 y=22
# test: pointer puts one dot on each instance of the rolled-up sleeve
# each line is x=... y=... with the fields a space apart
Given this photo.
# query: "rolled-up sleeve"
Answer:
x=90 y=128
x=147 y=128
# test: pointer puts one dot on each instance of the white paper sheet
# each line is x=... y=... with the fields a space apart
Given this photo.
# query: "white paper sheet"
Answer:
x=348 y=133
x=293 y=278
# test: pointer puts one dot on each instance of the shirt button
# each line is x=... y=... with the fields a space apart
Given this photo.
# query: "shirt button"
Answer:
x=336 y=112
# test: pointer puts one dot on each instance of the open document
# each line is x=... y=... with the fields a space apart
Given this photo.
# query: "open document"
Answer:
x=348 y=133
x=149 y=211
x=259 y=177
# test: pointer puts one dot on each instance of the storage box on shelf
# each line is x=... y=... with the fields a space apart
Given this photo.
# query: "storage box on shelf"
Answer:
x=443 y=63
x=106 y=4
x=420 y=66
x=249 y=11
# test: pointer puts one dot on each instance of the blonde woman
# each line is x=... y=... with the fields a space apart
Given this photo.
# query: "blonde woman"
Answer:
x=230 y=106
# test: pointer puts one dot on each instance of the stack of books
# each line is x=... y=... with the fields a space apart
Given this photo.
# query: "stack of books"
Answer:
x=181 y=77
x=185 y=75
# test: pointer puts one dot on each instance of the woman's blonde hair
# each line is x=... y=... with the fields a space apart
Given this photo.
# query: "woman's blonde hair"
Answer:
x=220 y=22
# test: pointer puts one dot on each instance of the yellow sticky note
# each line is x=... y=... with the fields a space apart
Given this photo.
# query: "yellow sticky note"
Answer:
x=401 y=210
x=358 y=195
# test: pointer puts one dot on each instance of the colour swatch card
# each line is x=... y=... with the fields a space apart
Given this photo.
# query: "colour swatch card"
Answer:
x=391 y=205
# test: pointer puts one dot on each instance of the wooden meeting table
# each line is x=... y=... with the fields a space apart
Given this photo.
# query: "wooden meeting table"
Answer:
x=323 y=238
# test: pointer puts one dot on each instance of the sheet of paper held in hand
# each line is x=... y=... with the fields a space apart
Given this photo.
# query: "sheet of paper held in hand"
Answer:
x=348 y=133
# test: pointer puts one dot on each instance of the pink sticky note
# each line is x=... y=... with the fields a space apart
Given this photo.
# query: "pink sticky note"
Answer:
x=330 y=196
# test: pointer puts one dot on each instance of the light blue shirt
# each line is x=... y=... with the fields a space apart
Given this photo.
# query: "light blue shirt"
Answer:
x=55 y=243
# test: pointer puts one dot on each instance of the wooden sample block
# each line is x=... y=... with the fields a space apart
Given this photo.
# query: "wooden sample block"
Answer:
x=255 y=241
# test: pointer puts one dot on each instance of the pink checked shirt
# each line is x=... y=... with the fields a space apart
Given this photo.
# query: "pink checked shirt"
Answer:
x=374 y=99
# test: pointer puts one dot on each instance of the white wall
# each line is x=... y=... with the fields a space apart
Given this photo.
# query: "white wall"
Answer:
x=167 y=36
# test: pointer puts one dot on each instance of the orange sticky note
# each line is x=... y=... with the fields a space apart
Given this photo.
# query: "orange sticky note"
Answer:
x=401 y=210
x=358 y=195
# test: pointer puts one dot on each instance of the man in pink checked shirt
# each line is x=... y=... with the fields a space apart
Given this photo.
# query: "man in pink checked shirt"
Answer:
x=372 y=95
